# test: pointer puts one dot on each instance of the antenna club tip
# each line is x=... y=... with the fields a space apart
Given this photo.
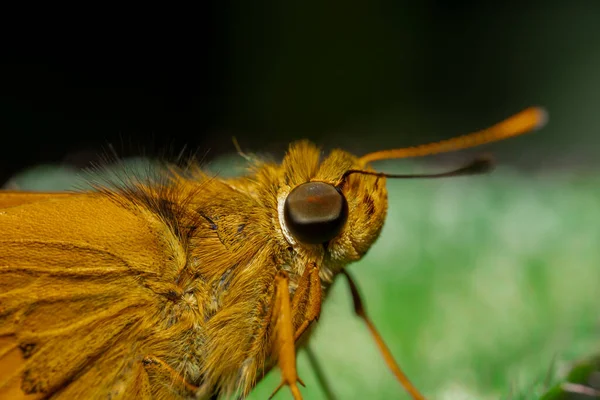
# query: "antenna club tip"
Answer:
x=541 y=116
x=484 y=163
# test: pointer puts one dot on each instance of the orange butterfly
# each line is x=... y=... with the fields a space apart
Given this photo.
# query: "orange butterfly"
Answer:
x=189 y=286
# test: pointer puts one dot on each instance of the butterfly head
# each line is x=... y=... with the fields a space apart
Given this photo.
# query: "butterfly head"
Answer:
x=323 y=211
x=337 y=205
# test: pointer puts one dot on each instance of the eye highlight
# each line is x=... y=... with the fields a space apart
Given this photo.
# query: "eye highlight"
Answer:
x=315 y=212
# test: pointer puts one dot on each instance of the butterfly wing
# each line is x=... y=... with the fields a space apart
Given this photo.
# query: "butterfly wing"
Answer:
x=13 y=199
x=80 y=277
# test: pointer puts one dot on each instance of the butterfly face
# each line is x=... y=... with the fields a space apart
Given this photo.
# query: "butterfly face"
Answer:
x=323 y=217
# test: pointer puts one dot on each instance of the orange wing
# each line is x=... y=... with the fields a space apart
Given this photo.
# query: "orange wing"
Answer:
x=79 y=277
x=13 y=199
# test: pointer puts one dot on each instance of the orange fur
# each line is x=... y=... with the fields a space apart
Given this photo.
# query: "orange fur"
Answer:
x=165 y=288
x=182 y=269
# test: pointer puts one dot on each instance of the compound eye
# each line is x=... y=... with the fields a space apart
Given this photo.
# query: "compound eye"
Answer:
x=315 y=212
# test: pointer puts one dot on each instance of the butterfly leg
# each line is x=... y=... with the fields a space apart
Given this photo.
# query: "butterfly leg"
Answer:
x=385 y=351
x=306 y=304
x=314 y=363
x=284 y=337
x=306 y=307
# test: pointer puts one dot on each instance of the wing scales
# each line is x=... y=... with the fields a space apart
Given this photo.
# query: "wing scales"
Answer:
x=80 y=278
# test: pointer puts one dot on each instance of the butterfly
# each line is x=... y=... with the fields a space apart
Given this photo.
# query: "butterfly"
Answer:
x=186 y=285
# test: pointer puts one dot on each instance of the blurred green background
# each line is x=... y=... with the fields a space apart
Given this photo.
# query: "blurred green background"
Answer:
x=484 y=287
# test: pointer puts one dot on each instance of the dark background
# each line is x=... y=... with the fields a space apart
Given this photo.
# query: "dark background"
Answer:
x=354 y=74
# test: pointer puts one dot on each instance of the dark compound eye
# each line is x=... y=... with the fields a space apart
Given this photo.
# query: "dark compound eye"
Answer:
x=315 y=212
